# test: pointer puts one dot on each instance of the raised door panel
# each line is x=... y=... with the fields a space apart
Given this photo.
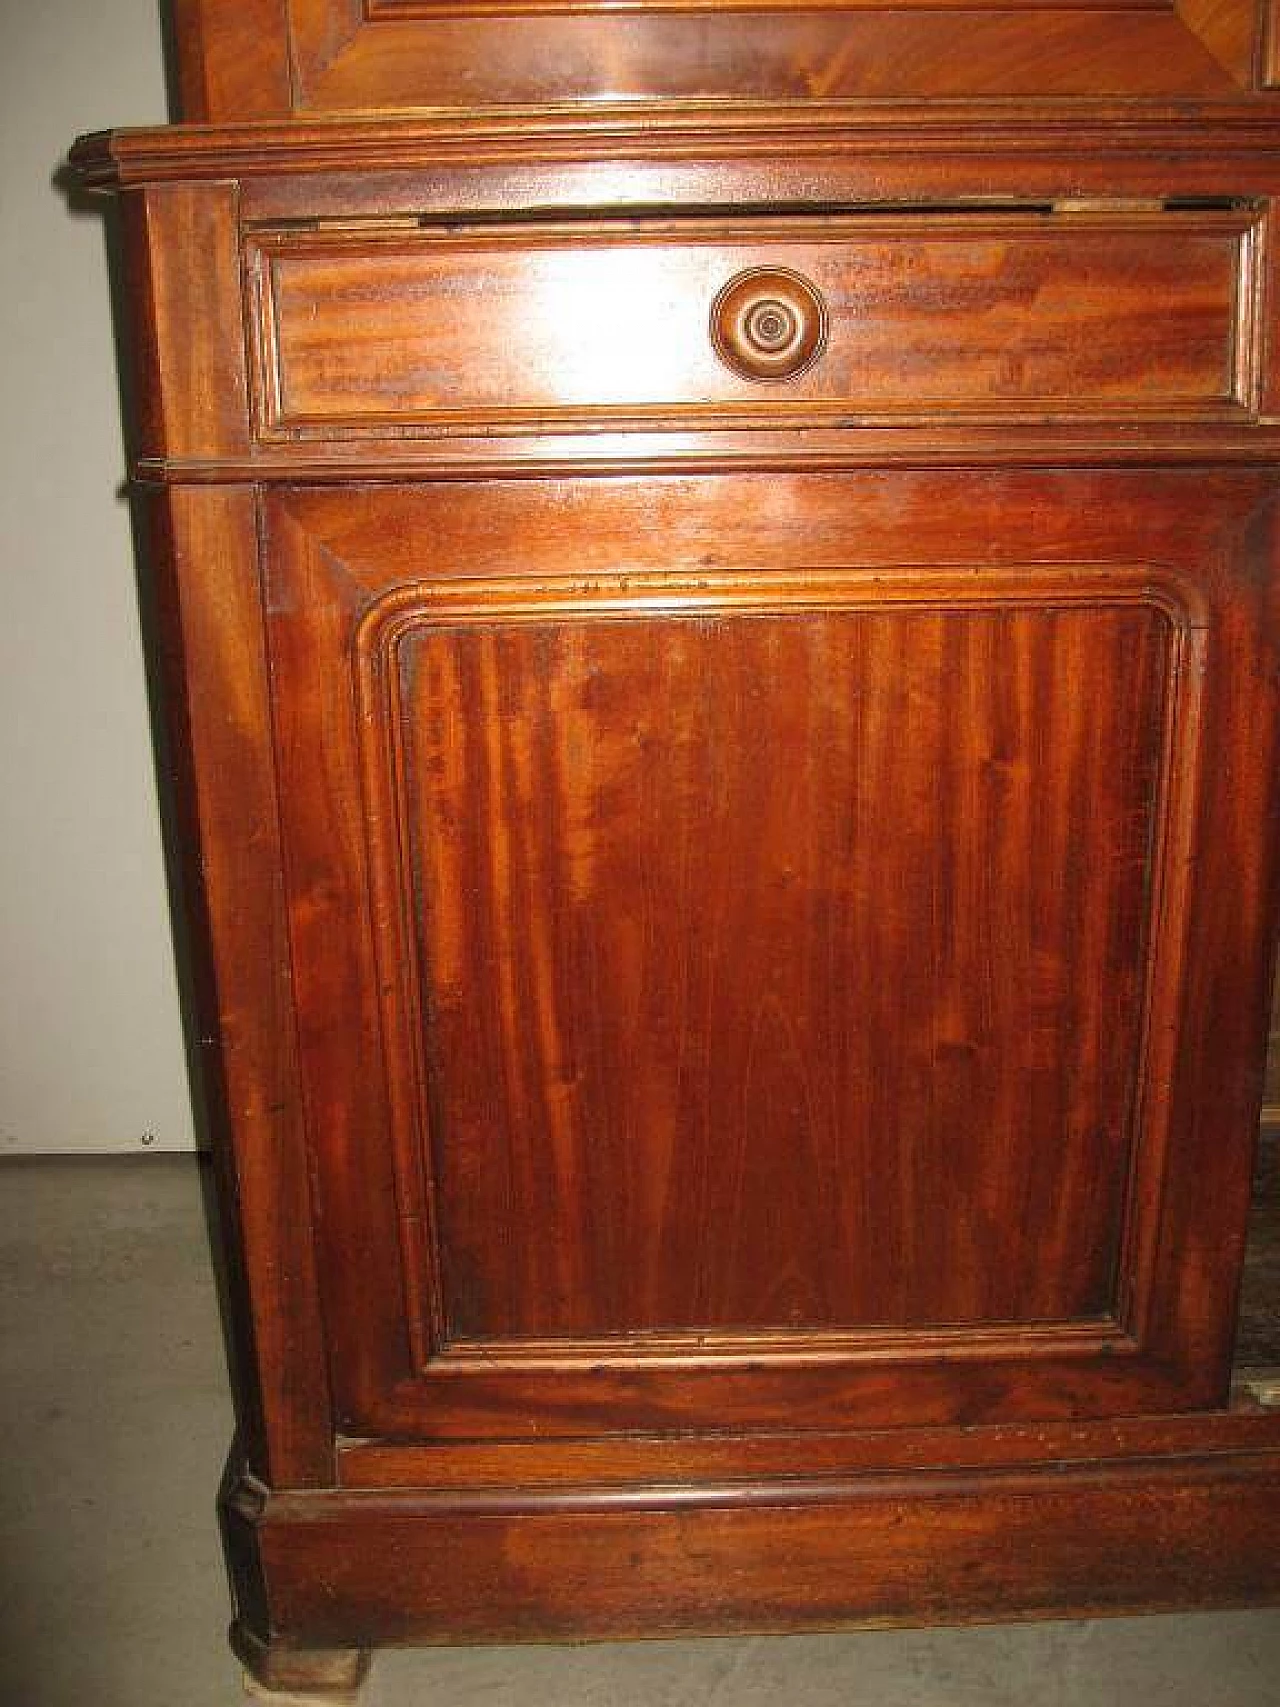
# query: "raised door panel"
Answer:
x=741 y=968
x=333 y=55
x=762 y=942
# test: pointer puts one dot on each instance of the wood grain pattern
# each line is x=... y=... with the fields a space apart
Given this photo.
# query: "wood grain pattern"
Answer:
x=1271 y=1088
x=232 y=61
x=820 y=153
x=490 y=1470
x=272 y=58
x=1269 y=51
x=1193 y=1531
x=1232 y=33
x=737 y=920
x=564 y=328
x=492 y=54
x=332 y=560
x=211 y=654
x=181 y=254
x=721 y=848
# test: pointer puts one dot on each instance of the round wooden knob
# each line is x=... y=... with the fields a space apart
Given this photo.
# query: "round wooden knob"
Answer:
x=768 y=324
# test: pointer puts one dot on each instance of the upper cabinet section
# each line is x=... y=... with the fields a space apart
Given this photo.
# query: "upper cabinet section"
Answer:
x=247 y=59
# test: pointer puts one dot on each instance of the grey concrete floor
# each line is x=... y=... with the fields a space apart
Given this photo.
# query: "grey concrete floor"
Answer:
x=115 y=1415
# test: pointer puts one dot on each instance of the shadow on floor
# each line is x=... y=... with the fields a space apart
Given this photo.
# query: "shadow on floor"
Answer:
x=113 y=1396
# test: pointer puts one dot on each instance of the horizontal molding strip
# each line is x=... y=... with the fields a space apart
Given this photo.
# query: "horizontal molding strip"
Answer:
x=813 y=1454
x=1026 y=1479
x=675 y=130
x=379 y=462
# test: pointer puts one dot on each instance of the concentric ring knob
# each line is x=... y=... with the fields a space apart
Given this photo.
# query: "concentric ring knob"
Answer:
x=769 y=323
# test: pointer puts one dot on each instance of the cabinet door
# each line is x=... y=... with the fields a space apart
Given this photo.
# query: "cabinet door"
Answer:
x=263 y=58
x=776 y=952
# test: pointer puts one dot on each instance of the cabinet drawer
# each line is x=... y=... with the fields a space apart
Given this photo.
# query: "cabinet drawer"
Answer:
x=397 y=327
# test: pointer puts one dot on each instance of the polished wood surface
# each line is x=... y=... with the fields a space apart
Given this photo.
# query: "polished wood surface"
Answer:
x=282 y=56
x=819 y=154
x=720 y=632
x=964 y=158
x=190 y=373
x=717 y=845
x=545 y=919
x=1058 y=1541
x=480 y=1470
x=612 y=325
x=211 y=660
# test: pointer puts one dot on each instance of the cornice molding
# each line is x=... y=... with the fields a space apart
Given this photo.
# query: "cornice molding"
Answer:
x=675 y=131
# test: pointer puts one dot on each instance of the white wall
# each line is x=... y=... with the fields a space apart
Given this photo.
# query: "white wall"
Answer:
x=90 y=1042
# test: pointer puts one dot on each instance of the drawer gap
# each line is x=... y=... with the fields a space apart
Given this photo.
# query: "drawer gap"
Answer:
x=743 y=212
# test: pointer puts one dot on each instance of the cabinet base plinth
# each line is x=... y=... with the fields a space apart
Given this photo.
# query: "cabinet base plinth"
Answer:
x=1147 y=1532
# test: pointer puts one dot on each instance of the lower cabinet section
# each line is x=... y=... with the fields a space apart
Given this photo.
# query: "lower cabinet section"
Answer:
x=770 y=980
x=724 y=663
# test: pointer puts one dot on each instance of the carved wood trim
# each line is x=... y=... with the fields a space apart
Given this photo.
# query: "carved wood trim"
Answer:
x=377 y=463
x=1136 y=145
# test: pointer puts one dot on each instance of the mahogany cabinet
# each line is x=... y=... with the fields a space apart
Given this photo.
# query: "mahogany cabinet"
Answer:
x=719 y=602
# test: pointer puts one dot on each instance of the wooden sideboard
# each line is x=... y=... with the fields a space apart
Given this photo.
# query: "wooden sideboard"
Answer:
x=719 y=596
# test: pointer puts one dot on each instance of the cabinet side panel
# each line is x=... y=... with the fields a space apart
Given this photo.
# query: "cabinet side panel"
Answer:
x=181 y=245
x=205 y=598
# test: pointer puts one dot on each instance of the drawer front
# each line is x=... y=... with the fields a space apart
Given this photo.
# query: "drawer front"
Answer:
x=1028 y=316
